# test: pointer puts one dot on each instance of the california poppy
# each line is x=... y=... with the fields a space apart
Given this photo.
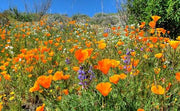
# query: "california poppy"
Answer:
x=65 y=91
x=104 y=65
x=36 y=87
x=140 y=109
x=59 y=98
x=65 y=77
x=178 y=38
x=105 y=34
x=178 y=76
x=155 y=18
x=40 y=108
x=122 y=76
x=159 y=55
x=114 y=79
x=114 y=63
x=142 y=24
x=154 y=39
x=157 y=89
x=1 y=106
x=45 y=81
x=82 y=55
x=102 y=45
x=58 y=75
x=174 y=44
x=157 y=70
x=152 y=24
x=75 y=68
x=104 y=88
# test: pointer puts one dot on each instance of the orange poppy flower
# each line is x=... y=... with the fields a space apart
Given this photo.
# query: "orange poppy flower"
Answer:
x=134 y=62
x=3 y=67
x=7 y=77
x=114 y=63
x=71 y=50
x=1 y=106
x=113 y=28
x=133 y=53
x=40 y=108
x=159 y=55
x=36 y=87
x=58 y=75
x=152 y=24
x=178 y=38
x=102 y=45
x=178 y=76
x=120 y=43
x=157 y=70
x=122 y=76
x=50 y=71
x=140 y=109
x=174 y=44
x=104 y=88
x=114 y=79
x=142 y=24
x=157 y=89
x=104 y=65
x=169 y=86
x=89 y=51
x=155 y=18
x=135 y=72
x=65 y=91
x=45 y=81
x=154 y=39
x=59 y=98
x=75 y=68
x=82 y=55
x=88 y=44
x=105 y=34
x=72 y=22
x=65 y=77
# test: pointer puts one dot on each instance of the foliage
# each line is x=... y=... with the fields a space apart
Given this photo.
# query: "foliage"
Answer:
x=80 y=17
x=142 y=10
x=3 y=19
x=53 y=18
x=105 y=19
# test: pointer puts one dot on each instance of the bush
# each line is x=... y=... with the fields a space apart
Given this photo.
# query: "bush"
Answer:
x=21 y=16
x=52 y=18
x=3 y=19
x=80 y=18
x=105 y=19
x=142 y=10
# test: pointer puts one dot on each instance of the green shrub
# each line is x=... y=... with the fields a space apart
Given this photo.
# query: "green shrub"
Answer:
x=142 y=10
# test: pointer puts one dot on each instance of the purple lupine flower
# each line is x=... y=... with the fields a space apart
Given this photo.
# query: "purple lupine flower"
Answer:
x=127 y=60
x=85 y=76
x=91 y=73
x=106 y=30
x=128 y=52
x=67 y=61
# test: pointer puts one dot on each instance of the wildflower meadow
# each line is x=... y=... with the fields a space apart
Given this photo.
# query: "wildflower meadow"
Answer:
x=84 y=67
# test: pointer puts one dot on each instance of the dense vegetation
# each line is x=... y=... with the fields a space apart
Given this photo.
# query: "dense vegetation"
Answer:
x=56 y=62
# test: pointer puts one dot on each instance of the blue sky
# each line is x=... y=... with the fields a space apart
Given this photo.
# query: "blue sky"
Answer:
x=70 y=7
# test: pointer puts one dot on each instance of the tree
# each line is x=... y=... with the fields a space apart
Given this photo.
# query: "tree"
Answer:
x=142 y=10
x=38 y=6
x=122 y=11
